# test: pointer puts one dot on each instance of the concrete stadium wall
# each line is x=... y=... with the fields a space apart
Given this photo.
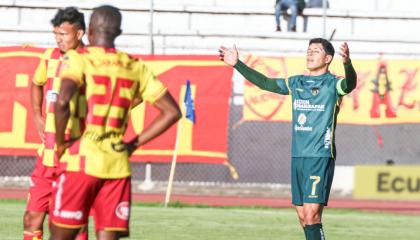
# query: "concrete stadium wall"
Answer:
x=186 y=26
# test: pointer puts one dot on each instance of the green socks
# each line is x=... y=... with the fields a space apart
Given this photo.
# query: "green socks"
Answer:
x=314 y=232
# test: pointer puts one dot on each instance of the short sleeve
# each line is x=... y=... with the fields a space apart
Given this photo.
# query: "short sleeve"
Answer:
x=72 y=67
x=151 y=89
x=283 y=85
x=40 y=75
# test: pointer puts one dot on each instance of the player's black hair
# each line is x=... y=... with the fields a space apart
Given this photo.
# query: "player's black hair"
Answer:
x=106 y=19
x=71 y=15
x=328 y=47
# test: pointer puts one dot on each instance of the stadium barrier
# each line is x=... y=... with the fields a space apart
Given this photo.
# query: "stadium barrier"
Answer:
x=256 y=143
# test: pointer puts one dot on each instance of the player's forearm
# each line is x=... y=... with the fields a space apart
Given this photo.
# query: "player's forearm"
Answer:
x=62 y=114
x=160 y=125
x=136 y=101
x=37 y=95
x=257 y=78
x=62 y=108
x=350 y=82
x=169 y=114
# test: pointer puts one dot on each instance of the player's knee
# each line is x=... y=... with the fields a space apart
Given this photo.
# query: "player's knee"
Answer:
x=301 y=215
x=59 y=233
x=33 y=221
x=107 y=235
x=312 y=217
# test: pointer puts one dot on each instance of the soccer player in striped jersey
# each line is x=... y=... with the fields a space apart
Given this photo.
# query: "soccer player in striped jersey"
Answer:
x=316 y=100
x=69 y=28
x=101 y=178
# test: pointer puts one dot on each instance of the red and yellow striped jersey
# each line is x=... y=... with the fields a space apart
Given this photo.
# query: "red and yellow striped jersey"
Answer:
x=112 y=80
x=47 y=75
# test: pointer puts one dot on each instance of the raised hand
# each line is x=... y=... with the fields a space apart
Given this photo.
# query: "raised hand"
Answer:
x=228 y=55
x=345 y=53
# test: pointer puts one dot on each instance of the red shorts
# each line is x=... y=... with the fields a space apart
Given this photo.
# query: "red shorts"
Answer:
x=76 y=193
x=41 y=187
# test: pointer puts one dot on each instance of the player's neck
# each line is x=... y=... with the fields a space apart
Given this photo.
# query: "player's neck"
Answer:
x=318 y=71
x=102 y=42
x=81 y=45
x=104 y=45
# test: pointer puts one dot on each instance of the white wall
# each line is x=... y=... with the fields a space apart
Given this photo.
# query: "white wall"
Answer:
x=191 y=26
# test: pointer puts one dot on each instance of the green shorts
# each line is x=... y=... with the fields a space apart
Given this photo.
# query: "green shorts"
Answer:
x=311 y=179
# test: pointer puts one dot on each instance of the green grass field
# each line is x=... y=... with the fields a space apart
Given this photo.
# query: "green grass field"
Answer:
x=152 y=222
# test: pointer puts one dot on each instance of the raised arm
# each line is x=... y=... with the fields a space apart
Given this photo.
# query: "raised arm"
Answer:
x=346 y=85
x=230 y=57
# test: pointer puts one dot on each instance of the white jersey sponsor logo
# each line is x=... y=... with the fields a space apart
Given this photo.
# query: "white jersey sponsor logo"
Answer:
x=302 y=120
x=327 y=138
x=52 y=96
x=69 y=214
x=305 y=105
x=302 y=128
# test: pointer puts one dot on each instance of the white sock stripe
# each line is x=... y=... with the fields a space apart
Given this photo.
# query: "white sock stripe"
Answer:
x=322 y=234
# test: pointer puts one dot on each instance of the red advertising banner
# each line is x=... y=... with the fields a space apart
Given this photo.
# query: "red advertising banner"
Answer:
x=203 y=142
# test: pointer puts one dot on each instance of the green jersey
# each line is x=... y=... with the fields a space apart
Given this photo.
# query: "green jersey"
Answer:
x=315 y=107
x=316 y=101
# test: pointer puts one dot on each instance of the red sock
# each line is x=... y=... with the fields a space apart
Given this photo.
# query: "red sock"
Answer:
x=35 y=235
x=82 y=236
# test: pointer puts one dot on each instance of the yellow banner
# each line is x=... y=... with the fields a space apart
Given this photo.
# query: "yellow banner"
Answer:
x=387 y=91
x=387 y=182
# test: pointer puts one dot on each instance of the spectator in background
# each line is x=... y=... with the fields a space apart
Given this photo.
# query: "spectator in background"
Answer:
x=301 y=5
x=316 y=4
x=296 y=7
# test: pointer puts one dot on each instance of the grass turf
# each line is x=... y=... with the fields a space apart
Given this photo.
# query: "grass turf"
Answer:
x=153 y=222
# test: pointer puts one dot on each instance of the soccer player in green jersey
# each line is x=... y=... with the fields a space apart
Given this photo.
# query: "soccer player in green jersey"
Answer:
x=316 y=100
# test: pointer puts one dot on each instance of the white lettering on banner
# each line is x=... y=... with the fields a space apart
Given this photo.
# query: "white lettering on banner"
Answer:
x=305 y=105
